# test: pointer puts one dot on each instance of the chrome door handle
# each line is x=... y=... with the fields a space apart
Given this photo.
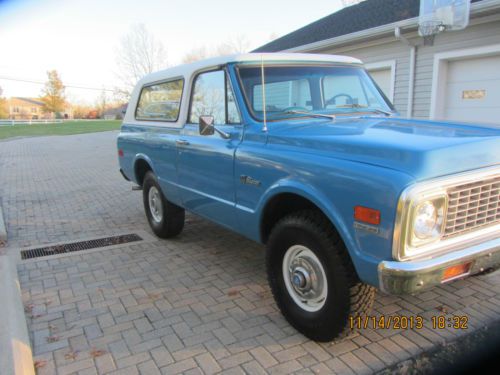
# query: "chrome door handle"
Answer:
x=181 y=142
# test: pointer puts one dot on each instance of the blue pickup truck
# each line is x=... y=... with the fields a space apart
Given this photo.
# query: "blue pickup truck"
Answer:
x=305 y=154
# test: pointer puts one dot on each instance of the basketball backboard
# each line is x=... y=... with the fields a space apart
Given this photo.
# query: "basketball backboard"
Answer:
x=442 y=15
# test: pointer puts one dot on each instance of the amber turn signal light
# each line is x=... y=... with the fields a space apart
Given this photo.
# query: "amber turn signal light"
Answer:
x=456 y=271
x=367 y=215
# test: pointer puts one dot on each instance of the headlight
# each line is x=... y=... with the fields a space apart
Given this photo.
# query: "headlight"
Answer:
x=423 y=217
x=427 y=221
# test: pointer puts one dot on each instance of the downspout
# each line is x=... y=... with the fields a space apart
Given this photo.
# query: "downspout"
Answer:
x=411 y=83
x=411 y=79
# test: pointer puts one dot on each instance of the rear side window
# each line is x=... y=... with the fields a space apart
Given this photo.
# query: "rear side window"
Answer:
x=160 y=102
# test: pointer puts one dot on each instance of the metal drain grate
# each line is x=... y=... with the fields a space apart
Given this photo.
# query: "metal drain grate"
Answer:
x=79 y=246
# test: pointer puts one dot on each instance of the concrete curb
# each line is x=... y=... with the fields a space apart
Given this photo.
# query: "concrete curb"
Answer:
x=15 y=350
x=3 y=229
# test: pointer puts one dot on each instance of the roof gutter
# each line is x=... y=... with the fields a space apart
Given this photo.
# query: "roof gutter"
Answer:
x=476 y=10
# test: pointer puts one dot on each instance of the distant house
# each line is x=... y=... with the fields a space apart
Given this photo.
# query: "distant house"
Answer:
x=25 y=109
x=31 y=109
x=457 y=77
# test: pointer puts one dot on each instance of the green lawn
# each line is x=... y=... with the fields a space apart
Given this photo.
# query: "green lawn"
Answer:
x=65 y=128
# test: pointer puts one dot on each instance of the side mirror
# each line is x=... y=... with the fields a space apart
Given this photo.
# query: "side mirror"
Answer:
x=206 y=125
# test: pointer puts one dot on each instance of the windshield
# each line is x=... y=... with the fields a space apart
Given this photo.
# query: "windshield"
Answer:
x=293 y=91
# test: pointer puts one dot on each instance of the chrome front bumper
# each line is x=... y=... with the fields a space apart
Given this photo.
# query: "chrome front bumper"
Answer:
x=414 y=276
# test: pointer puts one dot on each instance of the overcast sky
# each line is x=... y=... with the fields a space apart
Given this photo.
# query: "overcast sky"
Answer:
x=79 y=38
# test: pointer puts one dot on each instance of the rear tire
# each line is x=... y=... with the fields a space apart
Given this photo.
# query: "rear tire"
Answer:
x=165 y=218
x=312 y=277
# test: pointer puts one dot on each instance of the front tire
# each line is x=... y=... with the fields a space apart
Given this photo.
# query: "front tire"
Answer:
x=165 y=218
x=312 y=278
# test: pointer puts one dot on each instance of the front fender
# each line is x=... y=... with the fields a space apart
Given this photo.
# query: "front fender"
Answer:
x=313 y=195
x=364 y=264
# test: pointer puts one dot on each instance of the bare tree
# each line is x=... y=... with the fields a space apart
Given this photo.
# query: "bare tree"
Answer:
x=198 y=53
x=237 y=44
x=274 y=35
x=102 y=104
x=139 y=54
x=121 y=94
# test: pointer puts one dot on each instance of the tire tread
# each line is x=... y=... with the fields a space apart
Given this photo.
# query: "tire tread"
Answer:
x=173 y=216
x=361 y=295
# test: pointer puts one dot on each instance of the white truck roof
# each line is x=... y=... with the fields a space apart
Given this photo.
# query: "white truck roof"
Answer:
x=187 y=70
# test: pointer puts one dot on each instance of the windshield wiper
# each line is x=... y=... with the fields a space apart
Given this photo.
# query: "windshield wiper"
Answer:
x=331 y=116
x=311 y=114
x=366 y=108
x=381 y=111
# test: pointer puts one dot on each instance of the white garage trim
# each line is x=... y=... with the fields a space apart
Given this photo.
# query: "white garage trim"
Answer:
x=440 y=73
x=379 y=65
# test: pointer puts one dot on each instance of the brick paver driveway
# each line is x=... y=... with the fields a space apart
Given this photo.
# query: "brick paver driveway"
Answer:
x=196 y=304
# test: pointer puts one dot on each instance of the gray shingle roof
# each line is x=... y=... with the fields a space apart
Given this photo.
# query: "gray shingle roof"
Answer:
x=365 y=15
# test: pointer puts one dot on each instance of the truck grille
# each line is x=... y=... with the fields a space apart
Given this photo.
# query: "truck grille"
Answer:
x=472 y=206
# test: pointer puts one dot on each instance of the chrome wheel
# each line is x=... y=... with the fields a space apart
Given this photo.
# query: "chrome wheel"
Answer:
x=305 y=278
x=155 y=204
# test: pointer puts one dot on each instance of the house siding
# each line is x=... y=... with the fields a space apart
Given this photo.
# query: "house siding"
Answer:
x=479 y=33
x=474 y=36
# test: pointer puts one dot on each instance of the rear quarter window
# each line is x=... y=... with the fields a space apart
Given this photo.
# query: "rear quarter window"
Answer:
x=160 y=102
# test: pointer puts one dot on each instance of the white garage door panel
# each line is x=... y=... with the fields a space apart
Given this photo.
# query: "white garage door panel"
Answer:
x=464 y=78
x=473 y=69
x=383 y=79
x=491 y=90
x=482 y=115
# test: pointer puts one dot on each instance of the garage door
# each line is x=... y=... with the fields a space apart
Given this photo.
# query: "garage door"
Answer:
x=383 y=79
x=473 y=90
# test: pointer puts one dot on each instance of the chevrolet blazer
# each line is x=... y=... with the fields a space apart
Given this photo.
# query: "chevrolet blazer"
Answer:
x=305 y=154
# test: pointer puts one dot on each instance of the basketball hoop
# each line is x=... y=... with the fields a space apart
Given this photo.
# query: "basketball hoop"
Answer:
x=437 y=16
x=429 y=29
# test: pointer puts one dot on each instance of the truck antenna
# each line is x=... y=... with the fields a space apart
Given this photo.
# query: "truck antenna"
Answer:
x=264 y=127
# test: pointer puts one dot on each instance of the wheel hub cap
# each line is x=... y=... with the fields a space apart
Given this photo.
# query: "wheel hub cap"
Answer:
x=155 y=204
x=301 y=279
x=305 y=278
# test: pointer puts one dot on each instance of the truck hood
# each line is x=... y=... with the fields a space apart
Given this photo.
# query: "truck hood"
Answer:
x=422 y=149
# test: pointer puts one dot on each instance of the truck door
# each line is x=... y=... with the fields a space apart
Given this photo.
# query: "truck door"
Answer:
x=206 y=162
